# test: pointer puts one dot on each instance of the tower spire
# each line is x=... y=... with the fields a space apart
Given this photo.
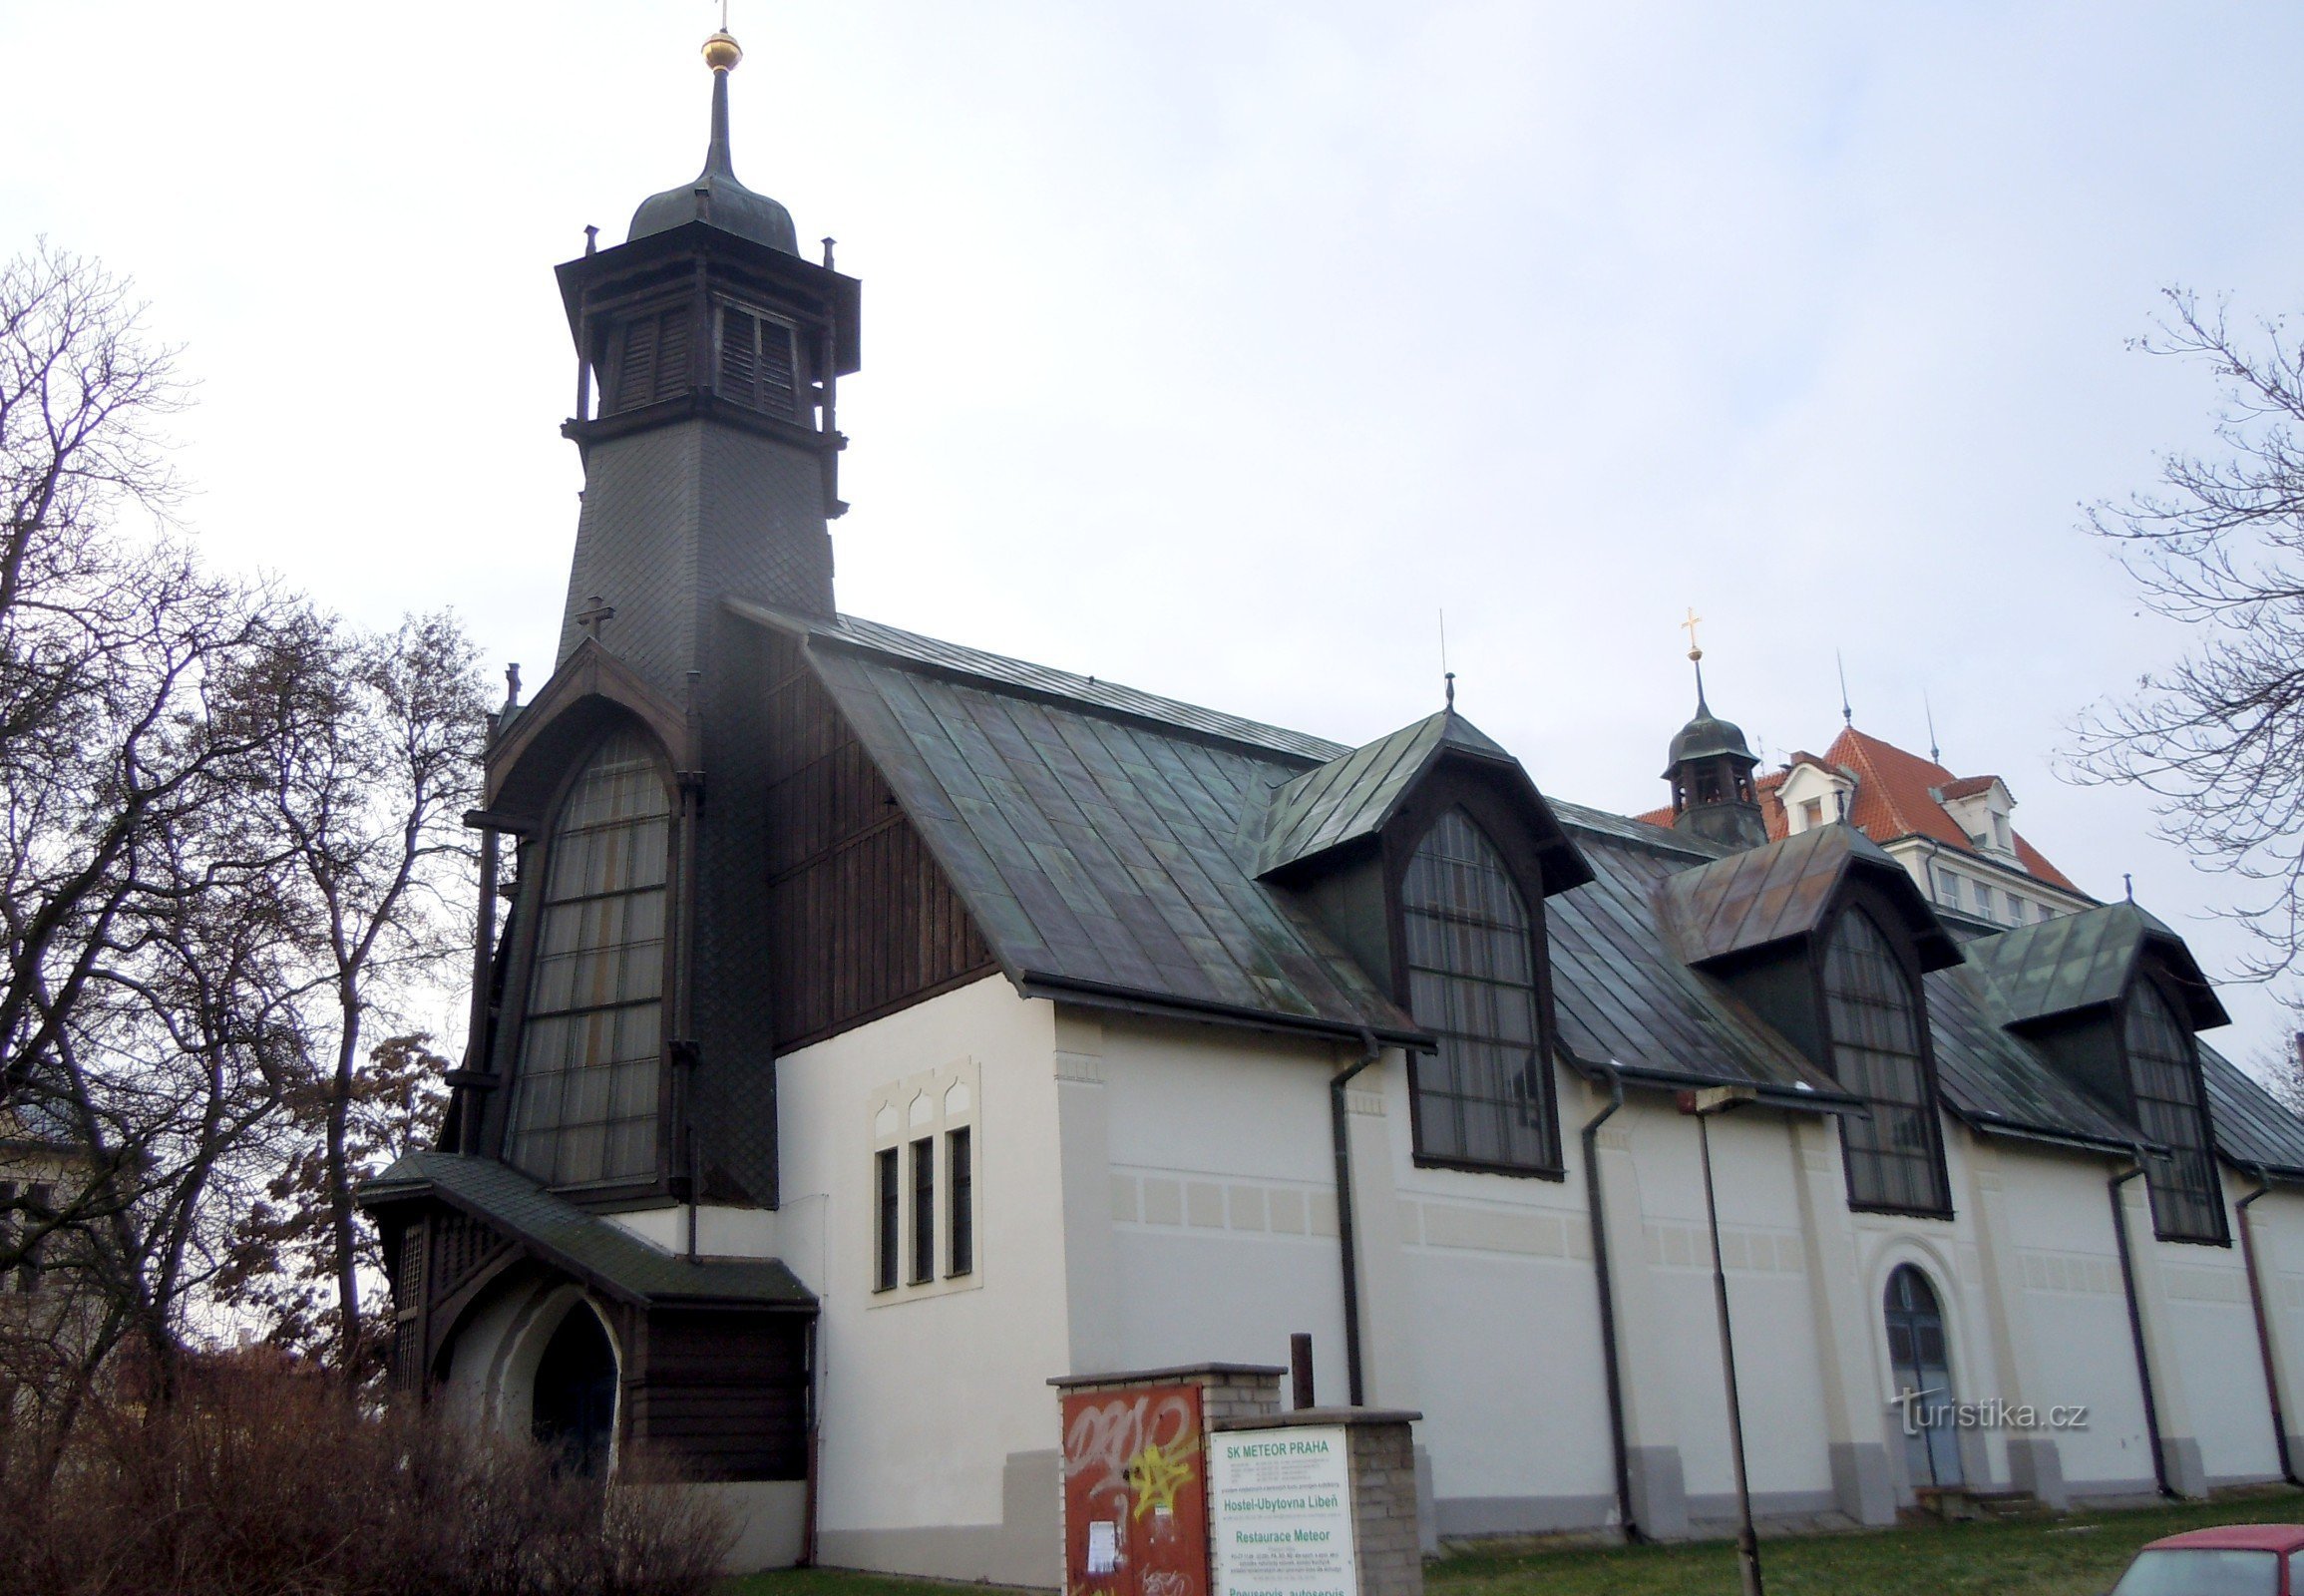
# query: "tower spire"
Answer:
x=721 y=54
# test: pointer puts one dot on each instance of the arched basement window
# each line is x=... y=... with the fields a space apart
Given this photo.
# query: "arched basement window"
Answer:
x=2164 y=1078
x=1484 y=1100
x=1895 y=1158
x=593 y=1035
x=574 y=1408
x=1922 y=1366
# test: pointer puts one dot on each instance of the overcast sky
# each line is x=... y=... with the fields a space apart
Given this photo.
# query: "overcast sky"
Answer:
x=1217 y=348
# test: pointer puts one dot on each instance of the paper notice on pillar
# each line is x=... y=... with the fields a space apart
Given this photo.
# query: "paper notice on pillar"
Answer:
x=1284 y=1514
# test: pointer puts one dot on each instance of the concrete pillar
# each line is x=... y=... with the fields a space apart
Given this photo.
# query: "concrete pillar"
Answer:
x=1085 y=1151
x=2034 y=1463
x=1855 y=1414
x=1389 y=1370
x=1644 y=1353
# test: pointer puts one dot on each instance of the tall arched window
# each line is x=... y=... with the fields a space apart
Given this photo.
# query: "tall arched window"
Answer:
x=1894 y=1158
x=586 y=1110
x=1485 y=1098
x=2164 y=1078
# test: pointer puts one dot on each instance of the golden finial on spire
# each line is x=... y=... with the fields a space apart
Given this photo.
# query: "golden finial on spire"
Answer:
x=721 y=51
x=1689 y=625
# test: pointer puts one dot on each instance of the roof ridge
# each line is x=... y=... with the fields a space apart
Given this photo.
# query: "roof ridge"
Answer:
x=1007 y=672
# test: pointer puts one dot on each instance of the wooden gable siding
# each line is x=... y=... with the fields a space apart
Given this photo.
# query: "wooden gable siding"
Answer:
x=862 y=920
x=723 y=1395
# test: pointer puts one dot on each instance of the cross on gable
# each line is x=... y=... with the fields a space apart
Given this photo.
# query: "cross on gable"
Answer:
x=596 y=617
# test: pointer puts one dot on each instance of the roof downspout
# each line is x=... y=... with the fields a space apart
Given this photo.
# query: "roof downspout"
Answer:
x=2137 y=1323
x=2263 y=1327
x=1340 y=1130
x=1607 y=1292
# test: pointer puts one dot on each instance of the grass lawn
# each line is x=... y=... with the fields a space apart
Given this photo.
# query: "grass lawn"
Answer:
x=2077 y=1555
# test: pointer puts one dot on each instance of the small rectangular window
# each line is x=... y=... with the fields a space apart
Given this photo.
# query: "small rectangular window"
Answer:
x=924 y=1210
x=1812 y=814
x=962 y=1179
x=891 y=1208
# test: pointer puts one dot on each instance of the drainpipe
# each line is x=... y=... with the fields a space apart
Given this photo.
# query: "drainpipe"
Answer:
x=1340 y=1130
x=2137 y=1323
x=2263 y=1326
x=1607 y=1290
x=1703 y=1103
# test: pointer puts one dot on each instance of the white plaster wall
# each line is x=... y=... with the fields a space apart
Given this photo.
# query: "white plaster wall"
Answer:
x=2060 y=1223
x=2212 y=1324
x=1223 y=1182
x=1786 y=1433
x=922 y=1398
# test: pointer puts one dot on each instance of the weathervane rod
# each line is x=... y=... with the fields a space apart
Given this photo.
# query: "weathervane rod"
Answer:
x=1847 y=715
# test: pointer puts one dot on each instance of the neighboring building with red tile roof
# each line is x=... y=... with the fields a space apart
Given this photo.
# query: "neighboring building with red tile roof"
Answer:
x=1952 y=833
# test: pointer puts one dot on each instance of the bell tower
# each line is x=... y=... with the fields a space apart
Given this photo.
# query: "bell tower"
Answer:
x=1711 y=771
x=708 y=357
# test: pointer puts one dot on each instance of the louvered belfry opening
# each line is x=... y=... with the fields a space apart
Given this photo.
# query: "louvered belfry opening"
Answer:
x=757 y=368
x=651 y=361
x=673 y=326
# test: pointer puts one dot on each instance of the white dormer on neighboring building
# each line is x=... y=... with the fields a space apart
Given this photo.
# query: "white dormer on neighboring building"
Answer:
x=1979 y=806
x=1815 y=793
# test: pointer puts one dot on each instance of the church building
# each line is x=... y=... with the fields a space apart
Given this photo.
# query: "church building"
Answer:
x=877 y=1029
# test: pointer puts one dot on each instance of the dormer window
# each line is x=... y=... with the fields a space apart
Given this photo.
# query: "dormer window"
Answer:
x=585 y=1108
x=757 y=365
x=1484 y=1100
x=2165 y=1079
x=1895 y=1158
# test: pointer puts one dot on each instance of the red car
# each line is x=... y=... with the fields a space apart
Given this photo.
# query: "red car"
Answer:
x=2230 y=1560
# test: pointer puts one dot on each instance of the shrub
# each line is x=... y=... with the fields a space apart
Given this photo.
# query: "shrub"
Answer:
x=256 y=1478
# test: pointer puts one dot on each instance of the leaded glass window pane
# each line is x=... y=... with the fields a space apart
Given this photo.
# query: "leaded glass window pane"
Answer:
x=2165 y=1081
x=1892 y=1157
x=594 y=1037
x=1484 y=1097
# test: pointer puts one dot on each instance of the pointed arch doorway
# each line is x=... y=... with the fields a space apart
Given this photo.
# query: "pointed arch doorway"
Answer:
x=1921 y=1363
x=575 y=1412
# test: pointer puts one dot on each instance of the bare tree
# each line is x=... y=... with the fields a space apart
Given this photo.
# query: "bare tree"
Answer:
x=229 y=827
x=2218 y=736
x=285 y=1255
x=375 y=759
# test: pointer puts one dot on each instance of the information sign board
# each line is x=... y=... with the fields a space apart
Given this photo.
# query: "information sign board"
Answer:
x=1284 y=1514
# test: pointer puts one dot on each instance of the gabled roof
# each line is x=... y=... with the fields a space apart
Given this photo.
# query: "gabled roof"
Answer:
x=596 y=1251
x=1108 y=844
x=1352 y=796
x=1096 y=833
x=1782 y=889
x=1624 y=994
x=2082 y=961
x=1893 y=799
x=1357 y=795
x=1995 y=1080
